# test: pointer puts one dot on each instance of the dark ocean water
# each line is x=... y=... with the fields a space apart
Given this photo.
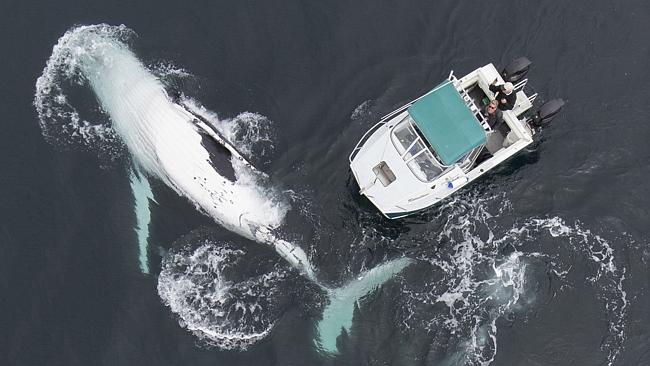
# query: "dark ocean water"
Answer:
x=566 y=220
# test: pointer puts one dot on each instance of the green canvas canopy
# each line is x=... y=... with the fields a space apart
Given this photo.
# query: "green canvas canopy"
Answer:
x=447 y=123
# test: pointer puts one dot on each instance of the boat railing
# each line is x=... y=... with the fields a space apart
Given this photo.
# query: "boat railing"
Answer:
x=397 y=111
x=521 y=85
x=390 y=115
x=470 y=159
x=364 y=138
x=405 y=106
x=469 y=102
x=450 y=79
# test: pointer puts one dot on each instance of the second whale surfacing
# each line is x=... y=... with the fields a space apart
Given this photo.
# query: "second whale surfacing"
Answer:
x=168 y=142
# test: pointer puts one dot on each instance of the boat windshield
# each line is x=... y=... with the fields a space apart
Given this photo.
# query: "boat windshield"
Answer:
x=414 y=150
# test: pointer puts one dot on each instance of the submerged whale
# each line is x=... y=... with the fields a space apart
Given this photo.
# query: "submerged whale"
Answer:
x=168 y=142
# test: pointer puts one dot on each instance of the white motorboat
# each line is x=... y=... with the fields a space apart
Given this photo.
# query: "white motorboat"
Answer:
x=428 y=149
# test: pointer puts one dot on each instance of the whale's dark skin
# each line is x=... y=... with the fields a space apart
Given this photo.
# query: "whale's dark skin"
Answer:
x=219 y=157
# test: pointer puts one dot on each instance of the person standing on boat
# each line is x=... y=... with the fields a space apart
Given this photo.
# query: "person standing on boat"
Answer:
x=504 y=94
x=493 y=115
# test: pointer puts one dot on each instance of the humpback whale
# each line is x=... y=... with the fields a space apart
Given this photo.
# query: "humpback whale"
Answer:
x=166 y=141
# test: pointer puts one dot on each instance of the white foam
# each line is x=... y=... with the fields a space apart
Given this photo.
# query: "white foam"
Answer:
x=221 y=313
x=60 y=121
x=477 y=297
x=361 y=111
x=251 y=133
x=608 y=279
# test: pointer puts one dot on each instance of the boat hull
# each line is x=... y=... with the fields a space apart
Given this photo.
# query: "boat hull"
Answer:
x=407 y=194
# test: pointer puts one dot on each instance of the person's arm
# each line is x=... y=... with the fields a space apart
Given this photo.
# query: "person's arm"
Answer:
x=494 y=89
x=503 y=98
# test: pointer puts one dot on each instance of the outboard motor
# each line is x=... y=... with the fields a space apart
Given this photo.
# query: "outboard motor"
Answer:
x=516 y=70
x=547 y=112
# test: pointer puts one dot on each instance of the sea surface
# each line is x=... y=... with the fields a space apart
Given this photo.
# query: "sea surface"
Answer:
x=107 y=258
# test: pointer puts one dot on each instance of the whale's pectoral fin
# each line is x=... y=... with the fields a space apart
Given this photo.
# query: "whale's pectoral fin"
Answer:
x=142 y=195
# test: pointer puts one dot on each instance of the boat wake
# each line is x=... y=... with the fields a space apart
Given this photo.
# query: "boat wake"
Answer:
x=185 y=146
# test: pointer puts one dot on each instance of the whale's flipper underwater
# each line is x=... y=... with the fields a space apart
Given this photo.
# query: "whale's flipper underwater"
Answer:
x=169 y=143
x=142 y=195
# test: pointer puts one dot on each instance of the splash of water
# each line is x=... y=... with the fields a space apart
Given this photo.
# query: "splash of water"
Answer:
x=362 y=110
x=193 y=283
x=62 y=124
x=251 y=133
x=608 y=277
x=484 y=276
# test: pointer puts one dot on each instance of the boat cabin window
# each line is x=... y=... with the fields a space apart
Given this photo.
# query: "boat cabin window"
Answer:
x=414 y=150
